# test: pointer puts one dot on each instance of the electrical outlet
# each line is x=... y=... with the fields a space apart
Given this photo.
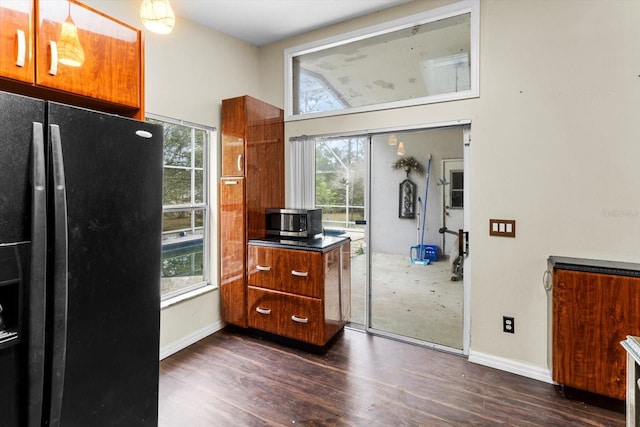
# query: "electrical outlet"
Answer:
x=508 y=325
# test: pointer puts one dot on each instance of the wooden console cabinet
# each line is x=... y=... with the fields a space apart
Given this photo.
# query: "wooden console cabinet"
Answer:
x=252 y=181
x=110 y=78
x=301 y=294
x=595 y=305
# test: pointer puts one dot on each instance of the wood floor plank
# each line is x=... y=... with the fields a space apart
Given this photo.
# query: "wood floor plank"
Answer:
x=235 y=379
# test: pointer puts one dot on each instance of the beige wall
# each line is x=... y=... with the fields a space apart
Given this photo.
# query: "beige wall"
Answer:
x=553 y=146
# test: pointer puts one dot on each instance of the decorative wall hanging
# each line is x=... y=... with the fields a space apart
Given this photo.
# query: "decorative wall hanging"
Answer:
x=407 y=194
x=407 y=203
x=409 y=164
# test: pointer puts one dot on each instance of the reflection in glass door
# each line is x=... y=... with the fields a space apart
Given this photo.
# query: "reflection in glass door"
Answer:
x=339 y=191
x=411 y=292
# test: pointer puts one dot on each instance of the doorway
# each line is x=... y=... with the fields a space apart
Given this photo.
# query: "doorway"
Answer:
x=396 y=291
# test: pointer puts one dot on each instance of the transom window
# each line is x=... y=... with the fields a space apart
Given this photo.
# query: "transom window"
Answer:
x=185 y=206
x=424 y=58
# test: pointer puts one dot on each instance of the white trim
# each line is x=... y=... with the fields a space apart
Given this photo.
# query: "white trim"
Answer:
x=509 y=365
x=466 y=221
x=454 y=9
x=391 y=129
x=187 y=295
x=190 y=339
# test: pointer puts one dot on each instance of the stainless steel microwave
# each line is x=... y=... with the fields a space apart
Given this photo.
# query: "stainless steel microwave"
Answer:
x=304 y=223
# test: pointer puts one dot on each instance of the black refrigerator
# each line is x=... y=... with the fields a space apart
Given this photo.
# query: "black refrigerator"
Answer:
x=80 y=248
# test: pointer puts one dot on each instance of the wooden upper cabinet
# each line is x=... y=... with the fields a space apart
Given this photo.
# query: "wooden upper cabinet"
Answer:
x=16 y=40
x=252 y=138
x=112 y=67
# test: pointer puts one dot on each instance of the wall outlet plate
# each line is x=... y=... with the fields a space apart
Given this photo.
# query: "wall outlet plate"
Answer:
x=508 y=325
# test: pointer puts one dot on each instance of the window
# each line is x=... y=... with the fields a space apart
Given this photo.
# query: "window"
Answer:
x=420 y=59
x=457 y=189
x=185 y=206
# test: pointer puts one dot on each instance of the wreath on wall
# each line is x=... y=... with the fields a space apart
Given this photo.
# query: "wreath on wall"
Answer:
x=409 y=164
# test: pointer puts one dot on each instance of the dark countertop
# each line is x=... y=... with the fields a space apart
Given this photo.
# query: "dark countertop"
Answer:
x=321 y=244
x=595 y=266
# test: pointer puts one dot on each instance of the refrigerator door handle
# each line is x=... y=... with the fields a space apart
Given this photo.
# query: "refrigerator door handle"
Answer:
x=60 y=279
x=37 y=285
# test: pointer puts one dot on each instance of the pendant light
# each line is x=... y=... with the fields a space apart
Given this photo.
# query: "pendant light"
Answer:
x=157 y=16
x=70 y=50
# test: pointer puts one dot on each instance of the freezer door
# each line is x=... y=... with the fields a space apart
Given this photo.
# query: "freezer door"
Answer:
x=109 y=299
x=21 y=119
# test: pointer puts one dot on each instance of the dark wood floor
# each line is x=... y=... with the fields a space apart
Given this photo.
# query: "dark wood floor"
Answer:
x=234 y=379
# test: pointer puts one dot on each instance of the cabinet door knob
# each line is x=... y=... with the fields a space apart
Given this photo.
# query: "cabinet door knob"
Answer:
x=300 y=273
x=263 y=268
x=263 y=310
x=53 y=66
x=22 y=48
x=299 y=319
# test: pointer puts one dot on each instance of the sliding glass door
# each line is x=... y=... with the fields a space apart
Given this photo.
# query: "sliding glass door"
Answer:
x=411 y=291
x=395 y=195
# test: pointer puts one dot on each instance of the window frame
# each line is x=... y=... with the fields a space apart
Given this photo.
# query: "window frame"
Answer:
x=459 y=8
x=193 y=206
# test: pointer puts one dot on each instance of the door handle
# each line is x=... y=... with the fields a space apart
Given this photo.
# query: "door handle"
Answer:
x=60 y=278
x=53 y=66
x=22 y=48
x=37 y=287
x=240 y=156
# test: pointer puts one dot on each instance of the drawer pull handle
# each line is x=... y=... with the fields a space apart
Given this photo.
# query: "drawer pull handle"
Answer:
x=263 y=268
x=22 y=48
x=299 y=319
x=263 y=310
x=230 y=182
x=300 y=273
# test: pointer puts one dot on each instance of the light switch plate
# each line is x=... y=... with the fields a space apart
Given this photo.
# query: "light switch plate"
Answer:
x=502 y=227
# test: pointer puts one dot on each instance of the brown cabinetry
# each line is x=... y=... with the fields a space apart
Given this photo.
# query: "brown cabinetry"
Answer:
x=299 y=294
x=253 y=180
x=16 y=40
x=111 y=76
x=595 y=305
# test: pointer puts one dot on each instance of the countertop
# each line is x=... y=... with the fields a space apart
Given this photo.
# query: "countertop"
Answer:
x=595 y=266
x=320 y=244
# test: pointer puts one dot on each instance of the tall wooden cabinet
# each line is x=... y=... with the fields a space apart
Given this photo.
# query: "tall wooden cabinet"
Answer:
x=595 y=305
x=111 y=76
x=252 y=180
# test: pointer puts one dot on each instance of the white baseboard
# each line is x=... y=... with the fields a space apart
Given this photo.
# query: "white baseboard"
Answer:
x=187 y=340
x=509 y=365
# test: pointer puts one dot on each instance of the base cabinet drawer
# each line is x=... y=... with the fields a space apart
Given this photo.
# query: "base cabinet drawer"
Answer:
x=286 y=270
x=292 y=316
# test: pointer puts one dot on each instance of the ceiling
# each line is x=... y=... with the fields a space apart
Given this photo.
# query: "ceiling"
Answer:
x=260 y=22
